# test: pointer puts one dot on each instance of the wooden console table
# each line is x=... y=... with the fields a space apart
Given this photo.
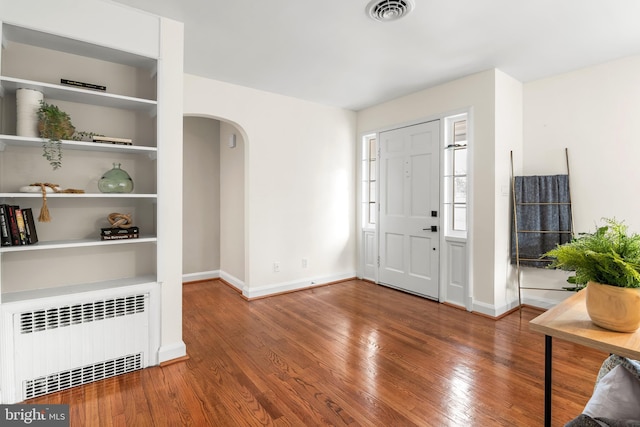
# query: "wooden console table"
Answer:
x=569 y=321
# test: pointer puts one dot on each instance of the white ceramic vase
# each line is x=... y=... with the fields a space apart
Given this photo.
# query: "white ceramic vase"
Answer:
x=27 y=105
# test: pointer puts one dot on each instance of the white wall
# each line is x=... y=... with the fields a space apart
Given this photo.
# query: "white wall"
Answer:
x=509 y=122
x=201 y=196
x=478 y=93
x=594 y=113
x=169 y=164
x=300 y=183
x=232 y=251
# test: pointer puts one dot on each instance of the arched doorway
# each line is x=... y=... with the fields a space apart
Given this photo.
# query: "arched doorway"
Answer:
x=213 y=200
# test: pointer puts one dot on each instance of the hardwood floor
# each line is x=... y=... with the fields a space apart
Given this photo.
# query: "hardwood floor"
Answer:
x=353 y=354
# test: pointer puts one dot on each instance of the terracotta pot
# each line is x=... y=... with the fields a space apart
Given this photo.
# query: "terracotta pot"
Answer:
x=613 y=307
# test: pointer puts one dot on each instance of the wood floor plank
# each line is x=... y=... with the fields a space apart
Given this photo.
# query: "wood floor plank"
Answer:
x=349 y=354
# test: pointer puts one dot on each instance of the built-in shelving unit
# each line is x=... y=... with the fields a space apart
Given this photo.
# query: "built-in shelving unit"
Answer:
x=128 y=108
x=71 y=301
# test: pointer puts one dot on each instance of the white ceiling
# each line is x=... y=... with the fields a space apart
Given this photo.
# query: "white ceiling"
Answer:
x=331 y=52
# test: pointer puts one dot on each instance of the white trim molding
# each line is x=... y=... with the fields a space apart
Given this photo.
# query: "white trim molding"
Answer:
x=278 y=288
x=205 y=275
x=172 y=351
x=232 y=280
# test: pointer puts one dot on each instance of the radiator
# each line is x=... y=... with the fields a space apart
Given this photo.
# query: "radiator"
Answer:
x=74 y=342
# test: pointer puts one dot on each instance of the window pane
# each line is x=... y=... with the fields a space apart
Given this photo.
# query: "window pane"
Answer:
x=372 y=191
x=460 y=132
x=460 y=217
x=372 y=148
x=372 y=170
x=460 y=161
x=460 y=189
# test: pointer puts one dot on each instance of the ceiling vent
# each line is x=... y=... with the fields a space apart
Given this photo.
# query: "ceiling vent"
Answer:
x=389 y=10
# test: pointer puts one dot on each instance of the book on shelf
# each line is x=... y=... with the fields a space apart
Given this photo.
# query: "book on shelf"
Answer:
x=22 y=229
x=30 y=225
x=119 y=233
x=13 y=225
x=83 y=85
x=5 y=235
x=120 y=236
x=116 y=231
x=17 y=226
x=112 y=140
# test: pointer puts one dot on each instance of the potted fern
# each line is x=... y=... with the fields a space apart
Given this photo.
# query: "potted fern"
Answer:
x=607 y=262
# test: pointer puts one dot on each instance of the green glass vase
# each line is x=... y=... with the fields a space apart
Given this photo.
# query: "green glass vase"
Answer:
x=115 y=180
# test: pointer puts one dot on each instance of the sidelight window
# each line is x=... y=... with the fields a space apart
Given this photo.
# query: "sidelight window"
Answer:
x=455 y=175
x=369 y=164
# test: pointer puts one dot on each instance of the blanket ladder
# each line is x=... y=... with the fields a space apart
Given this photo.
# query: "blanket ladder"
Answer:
x=536 y=232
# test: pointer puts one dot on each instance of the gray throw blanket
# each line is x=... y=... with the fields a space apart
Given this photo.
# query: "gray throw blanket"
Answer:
x=583 y=420
x=538 y=209
x=586 y=421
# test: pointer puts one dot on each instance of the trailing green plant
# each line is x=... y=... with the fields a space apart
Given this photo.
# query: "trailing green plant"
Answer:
x=84 y=136
x=54 y=125
x=610 y=256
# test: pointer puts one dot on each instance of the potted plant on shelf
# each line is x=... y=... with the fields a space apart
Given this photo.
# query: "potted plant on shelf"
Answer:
x=54 y=125
x=607 y=262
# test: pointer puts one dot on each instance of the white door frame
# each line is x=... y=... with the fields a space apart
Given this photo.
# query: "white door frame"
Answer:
x=444 y=262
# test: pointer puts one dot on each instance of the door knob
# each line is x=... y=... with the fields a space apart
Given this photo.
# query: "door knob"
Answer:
x=433 y=228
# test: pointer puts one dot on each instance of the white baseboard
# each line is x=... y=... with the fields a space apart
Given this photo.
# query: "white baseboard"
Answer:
x=232 y=280
x=205 y=275
x=484 y=308
x=267 y=290
x=545 y=303
x=491 y=310
x=538 y=302
x=172 y=351
x=278 y=288
x=216 y=274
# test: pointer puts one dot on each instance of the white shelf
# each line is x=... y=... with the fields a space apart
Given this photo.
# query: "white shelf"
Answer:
x=20 y=296
x=66 y=244
x=84 y=96
x=23 y=141
x=79 y=195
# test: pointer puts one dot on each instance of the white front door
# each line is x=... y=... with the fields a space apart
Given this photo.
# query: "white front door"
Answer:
x=409 y=242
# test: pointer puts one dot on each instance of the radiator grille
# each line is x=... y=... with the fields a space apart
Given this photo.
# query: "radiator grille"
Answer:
x=83 y=375
x=41 y=320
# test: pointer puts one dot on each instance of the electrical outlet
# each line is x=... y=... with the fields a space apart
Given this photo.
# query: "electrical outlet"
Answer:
x=305 y=263
x=276 y=267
